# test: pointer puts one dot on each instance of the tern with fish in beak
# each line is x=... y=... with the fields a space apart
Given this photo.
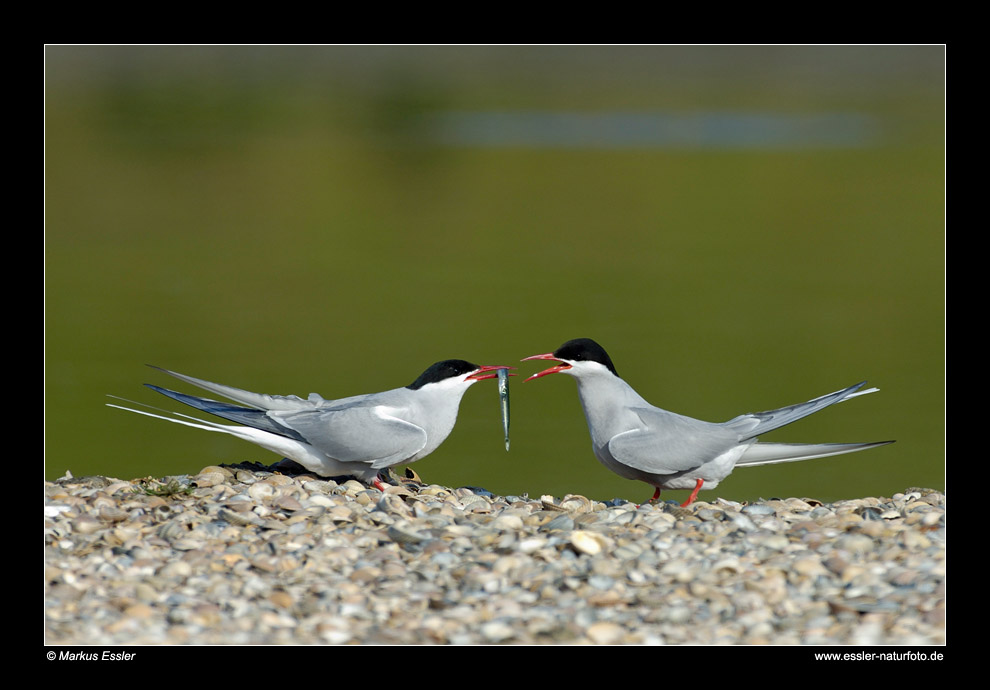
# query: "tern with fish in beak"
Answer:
x=359 y=436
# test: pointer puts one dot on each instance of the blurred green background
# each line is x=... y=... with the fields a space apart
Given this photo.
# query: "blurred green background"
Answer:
x=742 y=228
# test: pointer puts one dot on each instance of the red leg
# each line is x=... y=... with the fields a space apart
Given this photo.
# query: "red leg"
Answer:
x=694 y=494
x=378 y=483
x=652 y=501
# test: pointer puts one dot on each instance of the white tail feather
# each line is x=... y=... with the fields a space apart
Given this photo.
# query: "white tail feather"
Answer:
x=773 y=453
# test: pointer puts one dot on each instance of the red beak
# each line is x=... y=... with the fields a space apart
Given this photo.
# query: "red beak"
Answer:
x=481 y=373
x=552 y=370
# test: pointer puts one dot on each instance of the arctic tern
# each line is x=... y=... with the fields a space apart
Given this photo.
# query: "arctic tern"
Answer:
x=359 y=436
x=636 y=440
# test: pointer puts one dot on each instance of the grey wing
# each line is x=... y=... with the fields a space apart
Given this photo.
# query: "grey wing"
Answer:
x=670 y=443
x=259 y=401
x=756 y=423
x=367 y=434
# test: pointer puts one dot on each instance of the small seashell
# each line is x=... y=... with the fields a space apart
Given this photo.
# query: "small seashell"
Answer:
x=208 y=479
x=245 y=477
x=808 y=566
x=211 y=469
x=322 y=500
x=497 y=631
x=172 y=529
x=85 y=524
x=394 y=505
x=531 y=544
x=627 y=552
x=112 y=514
x=238 y=518
x=261 y=491
x=856 y=543
x=575 y=503
x=679 y=512
x=590 y=543
x=605 y=633
x=507 y=522
x=561 y=522
x=711 y=514
x=319 y=486
x=353 y=487
x=409 y=476
x=367 y=497
x=287 y=503
x=405 y=535
x=187 y=544
x=871 y=513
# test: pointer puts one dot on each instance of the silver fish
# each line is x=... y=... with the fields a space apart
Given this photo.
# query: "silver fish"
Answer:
x=503 y=394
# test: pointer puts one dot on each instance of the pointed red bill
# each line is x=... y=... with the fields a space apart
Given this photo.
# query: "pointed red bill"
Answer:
x=482 y=372
x=552 y=370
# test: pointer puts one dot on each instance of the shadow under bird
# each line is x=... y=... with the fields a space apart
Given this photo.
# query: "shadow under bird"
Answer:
x=359 y=436
x=636 y=440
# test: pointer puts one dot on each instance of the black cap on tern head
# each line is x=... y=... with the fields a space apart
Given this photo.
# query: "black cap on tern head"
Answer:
x=585 y=350
x=440 y=371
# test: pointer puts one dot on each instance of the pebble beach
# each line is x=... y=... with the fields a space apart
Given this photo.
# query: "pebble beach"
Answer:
x=251 y=555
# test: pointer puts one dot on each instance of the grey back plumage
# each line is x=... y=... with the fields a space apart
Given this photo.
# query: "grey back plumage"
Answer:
x=374 y=431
